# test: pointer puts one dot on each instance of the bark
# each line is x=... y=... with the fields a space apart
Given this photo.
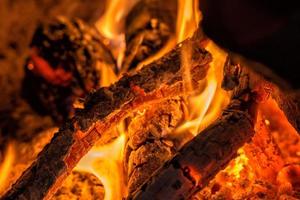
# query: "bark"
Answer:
x=149 y=144
x=103 y=110
x=149 y=26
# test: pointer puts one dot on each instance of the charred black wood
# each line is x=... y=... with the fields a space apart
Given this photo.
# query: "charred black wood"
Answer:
x=149 y=26
x=65 y=63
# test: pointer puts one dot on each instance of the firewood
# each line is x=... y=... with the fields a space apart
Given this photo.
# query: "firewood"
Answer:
x=149 y=144
x=104 y=109
x=149 y=26
x=201 y=158
x=210 y=151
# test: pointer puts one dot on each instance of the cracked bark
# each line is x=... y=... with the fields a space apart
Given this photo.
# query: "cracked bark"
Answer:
x=149 y=144
x=103 y=110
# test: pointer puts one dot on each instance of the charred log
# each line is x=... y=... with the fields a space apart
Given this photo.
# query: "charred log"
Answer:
x=64 y=64
x=149 y=144
x=103 y=110
x=149 y=26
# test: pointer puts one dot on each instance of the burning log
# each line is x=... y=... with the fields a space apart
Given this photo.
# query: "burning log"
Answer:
x=200 y=159
x=149 y=144
x=104 y=109
x=149 y=26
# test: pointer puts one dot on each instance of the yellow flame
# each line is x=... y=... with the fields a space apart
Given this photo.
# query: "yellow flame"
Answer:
x=107 y=75
x=106 y=162
x=207 y=105
x=111 y=23
x=188 y=17
x=6 y=166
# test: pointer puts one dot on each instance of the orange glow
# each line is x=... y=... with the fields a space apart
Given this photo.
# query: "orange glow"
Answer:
x=188 y=17
x=207 y=105
x=106 y=162
x=107 y=75
x=239 y=164
x=6 y=166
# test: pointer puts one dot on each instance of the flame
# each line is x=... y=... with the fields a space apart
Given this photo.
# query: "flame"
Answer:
x=206 y=106
x=111 y=26
x=188 y=17
x=106 y=162
x=6 y=166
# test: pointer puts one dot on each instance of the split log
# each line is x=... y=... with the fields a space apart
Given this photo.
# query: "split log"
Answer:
x=149 y=26
x=104 y=109
x=149 y=144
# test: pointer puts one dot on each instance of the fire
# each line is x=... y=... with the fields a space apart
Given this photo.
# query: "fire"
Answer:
x=106 y=162
x=6 y=166
x=188 y=17
x=207 y=105
x=239 y=164
x=111 y=26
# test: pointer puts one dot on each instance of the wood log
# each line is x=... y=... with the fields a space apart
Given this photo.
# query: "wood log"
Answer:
x=200 y=159
x=103 y=110
x=149 y=26
x=149 y=140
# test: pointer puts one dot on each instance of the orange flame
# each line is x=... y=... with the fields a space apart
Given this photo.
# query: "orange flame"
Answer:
x=106 y=162
x=6 y=166
x=206 y=106
x=188 y=17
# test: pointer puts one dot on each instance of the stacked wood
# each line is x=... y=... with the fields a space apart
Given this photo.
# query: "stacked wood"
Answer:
x=193 y=166
x=210 y=151
x=104 y=109
x=149 y=26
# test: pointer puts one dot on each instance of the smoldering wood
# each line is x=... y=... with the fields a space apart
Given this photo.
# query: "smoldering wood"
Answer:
x=103 y=110
x=76 y=49
x=149 y=144
x=201 y=158
x=211 y=150
x=149 y=26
